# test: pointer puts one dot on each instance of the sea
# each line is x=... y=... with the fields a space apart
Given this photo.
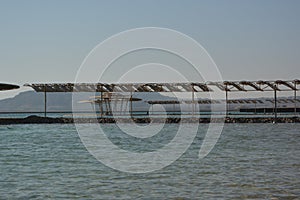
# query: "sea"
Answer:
x=249 y=161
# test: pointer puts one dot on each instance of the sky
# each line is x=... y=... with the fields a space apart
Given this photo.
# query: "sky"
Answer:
x=47 y=41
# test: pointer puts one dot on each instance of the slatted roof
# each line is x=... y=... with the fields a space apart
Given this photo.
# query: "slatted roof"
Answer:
x=231 y=101
x=229 y=86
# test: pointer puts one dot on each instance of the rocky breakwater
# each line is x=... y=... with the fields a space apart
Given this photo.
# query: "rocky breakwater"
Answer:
x=47 y=120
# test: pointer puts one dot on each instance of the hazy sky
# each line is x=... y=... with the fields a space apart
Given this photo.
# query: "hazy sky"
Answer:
x=46 y=41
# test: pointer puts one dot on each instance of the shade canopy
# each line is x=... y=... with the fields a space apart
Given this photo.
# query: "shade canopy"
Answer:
x=4 y=86
x=229 y=86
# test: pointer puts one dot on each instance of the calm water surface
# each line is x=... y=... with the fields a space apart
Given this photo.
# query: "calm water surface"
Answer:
x=250 y=161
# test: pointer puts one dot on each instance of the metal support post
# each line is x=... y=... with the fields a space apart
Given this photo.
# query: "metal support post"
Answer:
x=295 y=100
x=227 y=106
x=101 y=104
x=275 y=105
x=193 y=101
x=45 y=102
x=130 y=104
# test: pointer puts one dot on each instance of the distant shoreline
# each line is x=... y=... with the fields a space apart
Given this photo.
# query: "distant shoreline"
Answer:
x=61 y=120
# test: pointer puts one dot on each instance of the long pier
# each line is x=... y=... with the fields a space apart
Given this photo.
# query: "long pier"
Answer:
x=194 y=87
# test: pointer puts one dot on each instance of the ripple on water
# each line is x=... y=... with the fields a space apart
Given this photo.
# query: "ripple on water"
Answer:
x=250 y=161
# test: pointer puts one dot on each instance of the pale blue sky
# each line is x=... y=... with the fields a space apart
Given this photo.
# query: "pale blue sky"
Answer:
x=46 y=41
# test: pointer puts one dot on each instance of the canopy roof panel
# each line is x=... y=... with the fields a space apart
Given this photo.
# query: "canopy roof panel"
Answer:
x=229 y=86
x=4 y=86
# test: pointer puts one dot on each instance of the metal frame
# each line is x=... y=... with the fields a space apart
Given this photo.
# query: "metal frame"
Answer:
x=226 y=86
x=230 y=86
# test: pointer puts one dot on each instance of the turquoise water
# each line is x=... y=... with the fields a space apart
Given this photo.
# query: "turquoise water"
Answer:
x=250 y=161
